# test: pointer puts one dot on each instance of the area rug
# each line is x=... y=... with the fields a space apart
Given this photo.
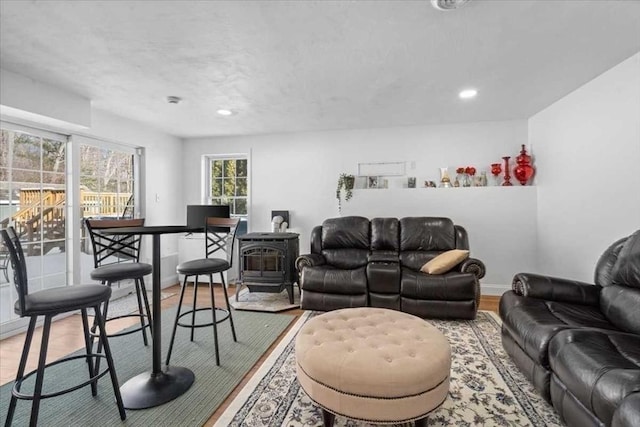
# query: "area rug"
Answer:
x=255 y=331
x=486 y=387
x=270 y=302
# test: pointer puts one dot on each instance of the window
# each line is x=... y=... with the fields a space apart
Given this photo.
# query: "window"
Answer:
x=106 y=182
x=228 y=183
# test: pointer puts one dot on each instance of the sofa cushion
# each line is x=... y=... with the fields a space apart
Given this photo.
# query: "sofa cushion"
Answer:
x=385 y=235
x=628 y=413
x=446 y=287
x=334 y=281
x=603 y=275
x=533 y=322
x=620 y=306
x=427 y=234
x=599 y=368
x=346 y=232
x=345 y=241
x=619 y=302
x=346 y=258
x=626 y=271
x=320 y=301
x=445 y=261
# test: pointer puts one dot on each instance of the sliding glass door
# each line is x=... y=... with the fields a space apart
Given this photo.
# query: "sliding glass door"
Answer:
x=33 y=200
x=108 y=190
x=49 y=183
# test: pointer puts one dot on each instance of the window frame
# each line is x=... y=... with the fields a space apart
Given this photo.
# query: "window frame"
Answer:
x=207 y=165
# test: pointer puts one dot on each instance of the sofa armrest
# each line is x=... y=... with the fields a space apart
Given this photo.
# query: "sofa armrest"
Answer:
x=474 y=266
x=309 y=260
x=556 y=289
x=383 y=256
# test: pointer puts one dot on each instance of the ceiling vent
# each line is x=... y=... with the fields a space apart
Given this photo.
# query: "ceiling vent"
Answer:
x=446 y=5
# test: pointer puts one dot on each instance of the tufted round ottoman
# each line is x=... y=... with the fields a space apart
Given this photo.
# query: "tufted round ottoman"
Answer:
x=373 y=364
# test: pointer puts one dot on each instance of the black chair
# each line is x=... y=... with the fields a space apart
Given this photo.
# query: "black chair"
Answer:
x=4 y=264
x=49 y=303
x=220 y=234
x=116 y=257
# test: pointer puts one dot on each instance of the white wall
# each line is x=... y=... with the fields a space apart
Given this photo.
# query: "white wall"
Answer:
x=587 y=148
x=299 y=172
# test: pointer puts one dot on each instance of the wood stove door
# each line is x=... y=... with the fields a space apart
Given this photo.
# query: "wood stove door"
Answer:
x=262 y=262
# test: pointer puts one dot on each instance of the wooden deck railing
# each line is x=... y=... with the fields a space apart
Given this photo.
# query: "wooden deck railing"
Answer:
x=44 y=211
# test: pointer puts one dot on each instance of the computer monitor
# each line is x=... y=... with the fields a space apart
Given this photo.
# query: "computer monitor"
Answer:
x=197 y=214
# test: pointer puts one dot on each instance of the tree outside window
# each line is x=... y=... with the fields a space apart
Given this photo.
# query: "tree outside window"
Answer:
x=32 y=188
x=106 y=182
x=229 y=184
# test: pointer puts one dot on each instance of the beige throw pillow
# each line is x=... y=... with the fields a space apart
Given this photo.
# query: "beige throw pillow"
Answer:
x=445 y=261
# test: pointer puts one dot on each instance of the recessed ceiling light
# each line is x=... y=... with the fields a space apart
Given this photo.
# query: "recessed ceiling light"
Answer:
x=468 y=94
x=223 y=112
x=447 y=5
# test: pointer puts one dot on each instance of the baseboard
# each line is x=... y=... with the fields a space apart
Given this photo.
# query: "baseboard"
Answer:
x=492 y=289
x=168 y=281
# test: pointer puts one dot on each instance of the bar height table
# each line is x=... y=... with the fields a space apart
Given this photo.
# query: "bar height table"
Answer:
x=158 y=386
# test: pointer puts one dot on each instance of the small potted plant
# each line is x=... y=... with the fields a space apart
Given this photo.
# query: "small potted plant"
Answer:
x=345 y=183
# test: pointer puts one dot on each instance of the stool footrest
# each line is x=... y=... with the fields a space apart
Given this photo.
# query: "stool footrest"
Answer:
x=223 y=313
x=126 y=331
x=16 y=387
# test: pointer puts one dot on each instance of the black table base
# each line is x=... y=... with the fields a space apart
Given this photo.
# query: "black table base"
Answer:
x=158 y=386
x=148 y=389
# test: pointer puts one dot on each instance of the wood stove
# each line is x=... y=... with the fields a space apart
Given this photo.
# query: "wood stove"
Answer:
x=267 y=262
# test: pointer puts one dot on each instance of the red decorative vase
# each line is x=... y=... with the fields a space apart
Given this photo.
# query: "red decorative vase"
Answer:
x=524 y=171
x=496 y=170
x=507 y=176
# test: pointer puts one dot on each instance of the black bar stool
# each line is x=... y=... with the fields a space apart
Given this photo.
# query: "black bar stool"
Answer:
x=116 y=258
x=220 y=234
x=49 y=303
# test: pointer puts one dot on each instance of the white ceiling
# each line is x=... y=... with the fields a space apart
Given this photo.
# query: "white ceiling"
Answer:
x=287 y=66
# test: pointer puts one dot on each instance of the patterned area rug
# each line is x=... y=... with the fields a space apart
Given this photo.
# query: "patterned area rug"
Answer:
x=486 y=387
x=265 y=301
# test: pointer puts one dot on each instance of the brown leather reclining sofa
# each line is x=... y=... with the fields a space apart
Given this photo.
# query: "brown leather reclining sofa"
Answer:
x=579 y=343
x=357 y=262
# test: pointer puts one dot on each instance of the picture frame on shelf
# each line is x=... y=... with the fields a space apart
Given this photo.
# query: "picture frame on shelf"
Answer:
x=382 y=169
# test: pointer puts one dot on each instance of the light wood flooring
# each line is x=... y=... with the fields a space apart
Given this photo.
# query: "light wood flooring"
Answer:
x=66 y=337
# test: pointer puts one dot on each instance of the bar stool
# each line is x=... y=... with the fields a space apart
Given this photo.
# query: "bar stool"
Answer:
x=116 y=258
x=220 y=234
x=49 y=303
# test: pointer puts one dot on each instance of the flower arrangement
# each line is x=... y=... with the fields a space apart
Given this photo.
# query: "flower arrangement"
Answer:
x=465 y=176
x=469 y=170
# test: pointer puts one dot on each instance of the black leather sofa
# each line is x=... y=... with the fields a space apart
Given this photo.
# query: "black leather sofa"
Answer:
x=357 y=262
x=579 y=343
